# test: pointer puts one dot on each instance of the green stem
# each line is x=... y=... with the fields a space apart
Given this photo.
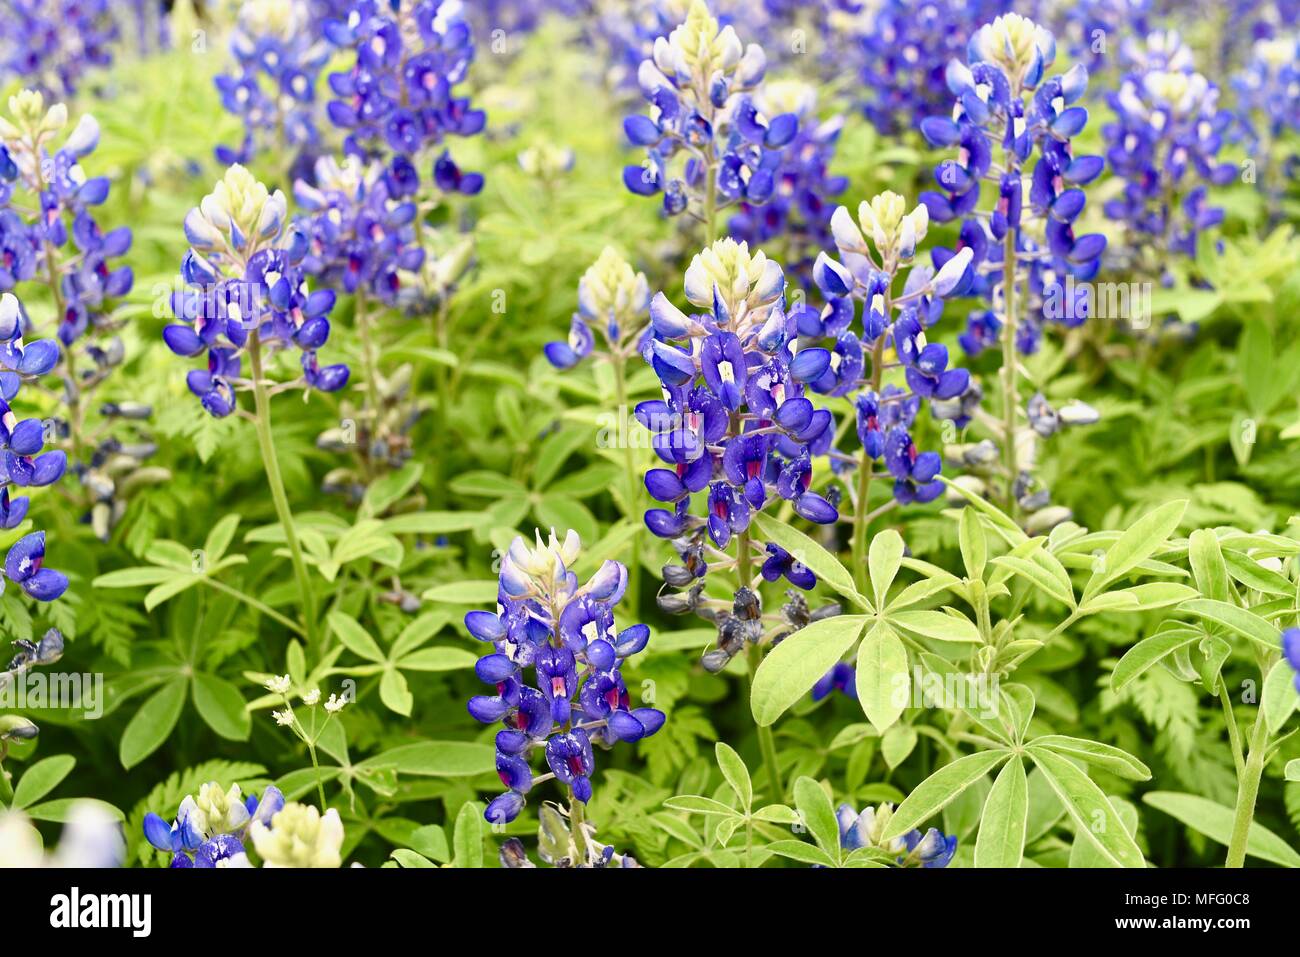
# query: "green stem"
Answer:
x=252 y=602
x=1009 y=398
x=766 y=740
x=368 y=362
x=861 y=519
x=577 y=820
x=275 y=480
x=320 y=785
x=1247 y=792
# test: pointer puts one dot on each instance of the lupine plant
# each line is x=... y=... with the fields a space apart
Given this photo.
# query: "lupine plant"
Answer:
x=1009 y=111
x=245 y=296
x=278 y=54
x=56 y=244
x=647 y=433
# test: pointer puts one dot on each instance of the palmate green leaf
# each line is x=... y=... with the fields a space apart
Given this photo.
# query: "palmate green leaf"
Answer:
x=1148 y=652
x=1138 y=543
x=220 y=537
x=818 y=815
x=438 y=659
x=386 y=490
x=803 y=852
x=734 y=770
x=449 y=759
x=220 y=704
x=1278 y=697
x=1214 y=820
x=1254 y=575
x=822 y=563
x=42 y=778
x=936 y=624
x=432 y=523
x=354 y=637
x=169 y=589
x=1084 y=853
x=151 y=725
x=394 y=693
x=1208 y=565
x=464 y=593
x=794 y=666
x=1093 y=815
x=897 y=743
x=973 y=543
x=1144 y=597
x=467 y=838
x=1002 y=523
x=1105 y=756
x=1001 y=840
x=1044 y=570
x=883 y=683
x=1238 y=620
x=698 y=804
x=940 y=789
x=135 y=577
x=884 y=556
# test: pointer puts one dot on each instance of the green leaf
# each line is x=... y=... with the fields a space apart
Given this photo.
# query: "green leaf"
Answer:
x=936 y=624
x=1084 y=853
x=354 y=637
x=734 y=770
x=1278 y=697
x=1238 y=620
x=220 y=704
x=1208 y=566
x=169 y=589
x=973 y=542
x=219 y=538
x=438 y=659
x=795 y=665
x=431 y=842
x=448 y=759
x=1138 y=543
x=42 y=778
x=818 y=815
x=1001 y=840
x=1043 y=570
x=822 y=563
x=697 y=804
x=1144 y=597
x=394 y=693
x=59 y=811
x=1148 y=652
x=385 y=491
x=883 y=682
x=1093 y=815
x=1214 y=820
x=151 y=725
x=1254 y=575
x=883 y=560
x=467 y=839
x=802 y=852
x=432 y=523
x=1293 y=769
x=940 y=789
x=135 y=577
x=897 y=743
x=464 y=593
x=1112 y=759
